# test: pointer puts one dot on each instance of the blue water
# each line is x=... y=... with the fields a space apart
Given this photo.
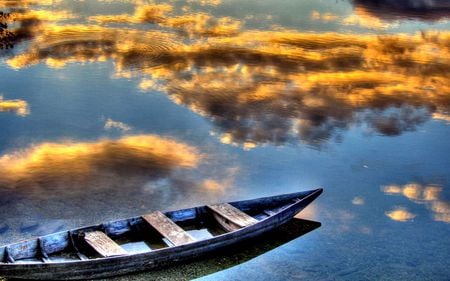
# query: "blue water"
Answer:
x=114 y=109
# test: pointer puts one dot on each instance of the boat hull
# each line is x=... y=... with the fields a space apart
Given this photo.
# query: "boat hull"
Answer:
x=120 y=265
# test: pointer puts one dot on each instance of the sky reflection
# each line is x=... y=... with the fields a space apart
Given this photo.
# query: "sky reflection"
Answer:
x=429 y=195
x=118 y=108
x=20 y=107
x=400 y=214
x=72 y=164
x=263 y=87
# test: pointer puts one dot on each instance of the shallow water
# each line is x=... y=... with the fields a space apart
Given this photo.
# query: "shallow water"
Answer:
x=110 y=109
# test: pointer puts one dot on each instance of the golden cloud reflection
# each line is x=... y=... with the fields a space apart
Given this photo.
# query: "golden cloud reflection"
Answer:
x=145 y=13
x=27 y=3
x=69 y=164
x=192 y=24
x=400 y=214
x=21 y=23
x=265 y=87
x=20 y=107
x=223 y=183
x=359 y=17
x=315 y=15
x=78 y=43
x=441 y=116
x=430 y=195
x=40 y=15
x=362 y=18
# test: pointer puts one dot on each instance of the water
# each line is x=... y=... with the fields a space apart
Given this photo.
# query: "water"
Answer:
x=110 y=109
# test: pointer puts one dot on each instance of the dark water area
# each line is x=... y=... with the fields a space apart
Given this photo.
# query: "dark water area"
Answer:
x=111 y=109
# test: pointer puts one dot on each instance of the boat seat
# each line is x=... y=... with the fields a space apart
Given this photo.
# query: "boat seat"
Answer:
x=103 y=245
x=226 y=213
x=167 y=228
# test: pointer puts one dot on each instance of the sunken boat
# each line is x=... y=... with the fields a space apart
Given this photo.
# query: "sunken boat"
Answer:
x=150 y=241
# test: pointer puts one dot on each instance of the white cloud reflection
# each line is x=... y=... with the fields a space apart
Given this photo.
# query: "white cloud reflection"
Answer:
x=429 y=195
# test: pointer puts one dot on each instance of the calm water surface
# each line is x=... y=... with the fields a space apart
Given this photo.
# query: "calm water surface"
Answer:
x=110 y=109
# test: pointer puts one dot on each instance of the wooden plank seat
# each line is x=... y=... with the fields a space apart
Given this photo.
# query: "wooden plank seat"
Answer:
x=231 y=218
x=167 y=228
x=103 y=245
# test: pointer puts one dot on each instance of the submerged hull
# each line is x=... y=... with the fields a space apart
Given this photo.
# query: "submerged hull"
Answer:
x=119 y=265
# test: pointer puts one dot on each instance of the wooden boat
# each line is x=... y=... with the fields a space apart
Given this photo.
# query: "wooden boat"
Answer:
x=149 y=241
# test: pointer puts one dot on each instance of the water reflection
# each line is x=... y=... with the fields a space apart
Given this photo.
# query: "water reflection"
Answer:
x=429 y=195
x=23 y=22
x=3 y=229
x=249 y=74
x=104 y=164
x=6 y=36
x=20 y=107
x=400 y=214
x=359 y=17
x=408 y=9
x=442 y=117
x=358 y=200
x=192 y=24
x=27 y=3
x=261 y=87
x=111 y=124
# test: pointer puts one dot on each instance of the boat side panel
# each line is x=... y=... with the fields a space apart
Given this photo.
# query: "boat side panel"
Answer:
x=117 y=228
x=270 y=202
x=182 y=215
x=23 y=250
x=55 y=243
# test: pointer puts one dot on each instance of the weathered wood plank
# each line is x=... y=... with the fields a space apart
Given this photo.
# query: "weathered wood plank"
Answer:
x=225 y=223
x=170 y=230
x=233 y=214
x=104 y=245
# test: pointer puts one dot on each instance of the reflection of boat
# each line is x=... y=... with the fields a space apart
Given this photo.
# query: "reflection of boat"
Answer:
x=230 y=256
x=150 y=241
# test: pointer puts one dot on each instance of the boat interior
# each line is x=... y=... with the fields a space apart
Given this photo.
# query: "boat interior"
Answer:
x=142 y=234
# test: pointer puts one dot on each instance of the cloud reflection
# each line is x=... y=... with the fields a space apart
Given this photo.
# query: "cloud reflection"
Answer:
x=365 y=19
x=27 y=3
x=430 y=195
x=25 y=23
x=192 y=24
x=111 y=124
x=20 y=107
x=99 y=164
x=266 y=87
x=358 y=200
x=360 y=17
x=400 y=214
